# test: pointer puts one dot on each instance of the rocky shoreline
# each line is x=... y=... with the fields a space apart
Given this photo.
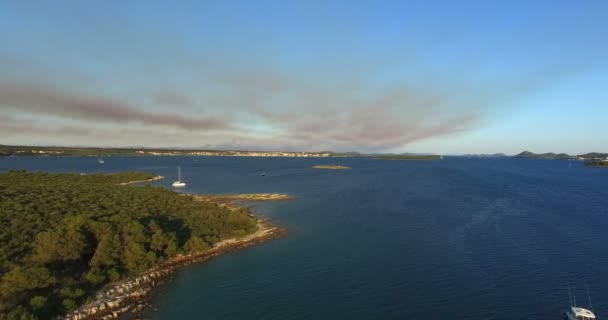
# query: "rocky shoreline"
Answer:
x=127 y=299
x=235 y=201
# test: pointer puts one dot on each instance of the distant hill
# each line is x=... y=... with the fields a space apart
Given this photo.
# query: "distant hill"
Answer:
x=484 y=155
x=550 y=155
x=564 y=156
x=594 y=155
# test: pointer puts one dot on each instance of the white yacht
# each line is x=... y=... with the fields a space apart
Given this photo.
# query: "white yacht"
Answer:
x=576 y=313
x=179 y=183
x=100 y=160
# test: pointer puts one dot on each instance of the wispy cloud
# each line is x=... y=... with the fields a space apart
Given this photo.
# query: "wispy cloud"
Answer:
x=45 y=99
x=248 y=103
x=266 y=110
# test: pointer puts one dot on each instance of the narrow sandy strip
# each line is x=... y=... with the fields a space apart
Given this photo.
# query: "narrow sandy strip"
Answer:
x=140 y=181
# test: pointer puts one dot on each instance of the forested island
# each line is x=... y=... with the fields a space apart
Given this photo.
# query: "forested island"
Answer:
x=64 y=236
x=409 y=157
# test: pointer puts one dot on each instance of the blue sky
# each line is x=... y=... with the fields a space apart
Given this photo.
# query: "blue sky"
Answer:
x=399 y=76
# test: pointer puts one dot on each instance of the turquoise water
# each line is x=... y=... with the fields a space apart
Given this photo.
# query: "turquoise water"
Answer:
x=453 y=239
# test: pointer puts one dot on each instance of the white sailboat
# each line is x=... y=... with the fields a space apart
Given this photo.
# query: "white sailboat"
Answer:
x=578 y=313
x=179 y=183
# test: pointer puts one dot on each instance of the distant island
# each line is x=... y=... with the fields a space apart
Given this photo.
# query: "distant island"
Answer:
x=563 y=156
x=65 y=236
x=331 y=167
x=408 y=157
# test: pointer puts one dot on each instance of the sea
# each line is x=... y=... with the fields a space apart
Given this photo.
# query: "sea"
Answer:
x=459 y=238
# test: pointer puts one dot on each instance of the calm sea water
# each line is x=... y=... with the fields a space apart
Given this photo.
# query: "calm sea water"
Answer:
x=453 y=239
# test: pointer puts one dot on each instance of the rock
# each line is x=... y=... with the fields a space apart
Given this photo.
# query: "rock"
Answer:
x=114 y=303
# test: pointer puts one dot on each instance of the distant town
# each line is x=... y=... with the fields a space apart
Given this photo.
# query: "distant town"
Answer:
x=140 y=151
x=234 y=153
x=101 y=152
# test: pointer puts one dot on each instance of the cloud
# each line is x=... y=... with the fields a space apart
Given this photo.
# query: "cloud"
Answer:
x=169 y=97
x=250 y=105
x=45 y=99
x=314 y=77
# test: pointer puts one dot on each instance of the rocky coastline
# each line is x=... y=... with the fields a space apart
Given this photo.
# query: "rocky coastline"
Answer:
x=127 y=299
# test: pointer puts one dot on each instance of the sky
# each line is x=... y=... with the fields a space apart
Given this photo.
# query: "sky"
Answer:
x=449 y=77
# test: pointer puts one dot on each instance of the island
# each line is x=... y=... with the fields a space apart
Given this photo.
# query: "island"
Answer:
x=597 y=163
x=89 y=246
x=331 y=167
x=409 y=157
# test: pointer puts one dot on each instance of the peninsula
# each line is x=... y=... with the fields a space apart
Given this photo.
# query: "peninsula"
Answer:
x=235 y=201
x=68 y=239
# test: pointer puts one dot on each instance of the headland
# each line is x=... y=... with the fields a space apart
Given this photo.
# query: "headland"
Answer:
x=129 y=298
x=92 y=246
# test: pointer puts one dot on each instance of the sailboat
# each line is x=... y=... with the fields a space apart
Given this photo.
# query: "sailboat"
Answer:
x=179 y=183
x=578 y=313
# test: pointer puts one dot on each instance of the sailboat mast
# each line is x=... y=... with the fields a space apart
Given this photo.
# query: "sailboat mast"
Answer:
x=589 y=296
x=179 y=174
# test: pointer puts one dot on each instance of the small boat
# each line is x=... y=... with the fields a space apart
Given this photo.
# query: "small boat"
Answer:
x=179 y=183
x=263 y=174
x=100 y=161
